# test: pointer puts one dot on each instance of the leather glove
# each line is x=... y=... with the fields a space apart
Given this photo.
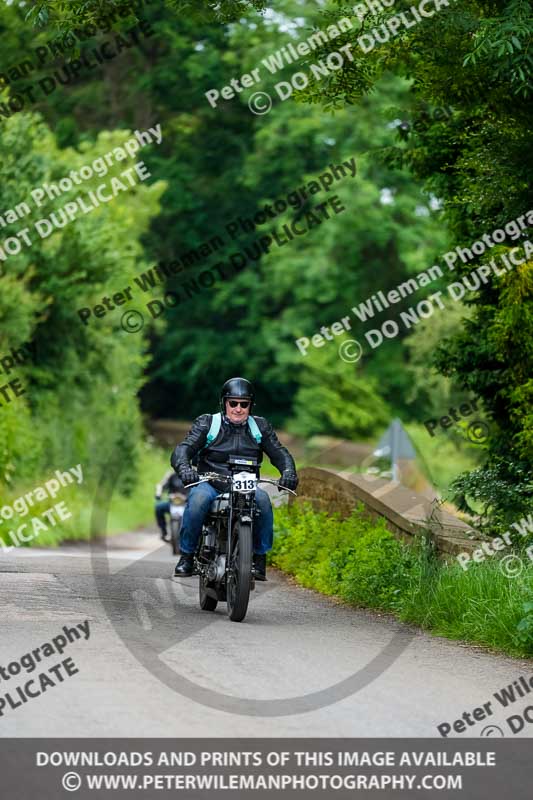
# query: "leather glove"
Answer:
x=188 y=475
x=288 y=480
x=158 y=497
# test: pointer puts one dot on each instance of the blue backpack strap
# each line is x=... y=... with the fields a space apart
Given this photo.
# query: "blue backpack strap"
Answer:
x=212 y=434
x=254 y=430
x=216 y=421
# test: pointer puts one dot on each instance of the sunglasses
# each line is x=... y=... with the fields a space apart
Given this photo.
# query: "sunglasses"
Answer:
x=241 y=403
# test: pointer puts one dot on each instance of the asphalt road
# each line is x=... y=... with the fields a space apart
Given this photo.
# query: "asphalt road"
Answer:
x=156 y=665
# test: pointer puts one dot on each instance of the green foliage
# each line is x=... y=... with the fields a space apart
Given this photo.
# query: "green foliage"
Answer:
x=502 y=489
x=492 y=356
x=248 y=324
x=474 y=57
x=445 y=455
x=430 y=390
x=480 y=605
x=20 y=443
x=336 y=397
x=80 y=401
x=125 y=513
x=357 y=559
x=502 y=44
x=525 y=627
x=87 y=11
x=375 y=569
x=253 y=319
x=360 y=561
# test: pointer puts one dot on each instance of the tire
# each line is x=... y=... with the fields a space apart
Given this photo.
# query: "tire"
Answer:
x=207 y=603
x=175 y=527
x=239 y=581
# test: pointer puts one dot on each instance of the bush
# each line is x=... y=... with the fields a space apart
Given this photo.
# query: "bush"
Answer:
x=80 y=401
x=357 y=559
x=360 y=561
x=502 y=488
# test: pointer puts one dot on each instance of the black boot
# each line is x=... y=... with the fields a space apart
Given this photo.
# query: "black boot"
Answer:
x=185 y=566
x=164 y=534
x=260 y=563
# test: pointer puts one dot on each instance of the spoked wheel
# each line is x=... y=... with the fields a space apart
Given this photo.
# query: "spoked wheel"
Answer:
x=207 y=601
x=175 y=527
x=240 y=574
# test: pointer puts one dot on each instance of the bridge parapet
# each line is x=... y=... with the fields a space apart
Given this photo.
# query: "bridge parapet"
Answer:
x=407 y=514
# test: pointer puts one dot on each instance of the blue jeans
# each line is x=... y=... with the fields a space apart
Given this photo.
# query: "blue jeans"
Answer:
x=162 y=507
x=198 y=502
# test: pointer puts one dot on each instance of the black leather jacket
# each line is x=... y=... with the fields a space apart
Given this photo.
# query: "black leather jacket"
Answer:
x=231 y=440
x=170 y=483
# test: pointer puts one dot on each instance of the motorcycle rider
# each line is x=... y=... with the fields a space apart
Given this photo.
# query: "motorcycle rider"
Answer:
x=234 y=438
x=171 y=483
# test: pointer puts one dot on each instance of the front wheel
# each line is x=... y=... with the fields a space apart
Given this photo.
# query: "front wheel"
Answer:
x=239 y=579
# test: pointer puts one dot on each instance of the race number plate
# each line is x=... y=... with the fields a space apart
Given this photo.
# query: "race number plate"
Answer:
x=244 y=482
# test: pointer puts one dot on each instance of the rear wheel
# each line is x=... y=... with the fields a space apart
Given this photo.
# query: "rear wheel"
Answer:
x=239 y=579
x=175 y=527
x=207 y=602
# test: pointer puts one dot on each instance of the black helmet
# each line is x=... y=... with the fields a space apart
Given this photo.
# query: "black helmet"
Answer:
x=237 y=387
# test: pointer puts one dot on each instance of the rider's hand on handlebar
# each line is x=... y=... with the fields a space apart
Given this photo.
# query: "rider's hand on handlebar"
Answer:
x=188 y=475
x=288 y=480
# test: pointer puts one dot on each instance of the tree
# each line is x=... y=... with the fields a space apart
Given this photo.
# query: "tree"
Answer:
x=81 y=384
x=477 y=60
x=337 y=398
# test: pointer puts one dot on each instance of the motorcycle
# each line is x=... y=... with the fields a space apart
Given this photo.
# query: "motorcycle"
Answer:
x=224 y=557
x=176 y=518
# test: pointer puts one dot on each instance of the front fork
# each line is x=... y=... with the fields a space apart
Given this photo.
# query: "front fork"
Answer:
x=247 y=515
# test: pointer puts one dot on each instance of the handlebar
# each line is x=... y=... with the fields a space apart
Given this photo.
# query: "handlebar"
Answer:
x=276 y=483
x=208 y=476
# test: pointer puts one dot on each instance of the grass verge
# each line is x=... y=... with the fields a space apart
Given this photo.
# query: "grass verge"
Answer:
x=128 y=510
x=360 y=561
